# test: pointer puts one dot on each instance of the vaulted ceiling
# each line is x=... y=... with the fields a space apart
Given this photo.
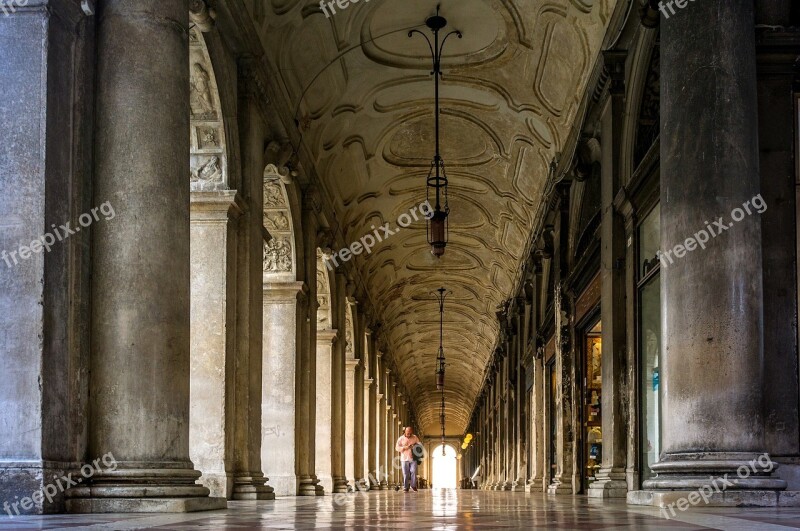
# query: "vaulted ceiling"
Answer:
x=364 y=96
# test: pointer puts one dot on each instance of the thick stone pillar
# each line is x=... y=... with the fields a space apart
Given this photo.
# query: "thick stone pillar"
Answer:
x=249 y=481
x=46 y=97
x=139 y=384
x=212 y=344
x=284 y=307
x=326 y=340
x=610 y=479
x=712 y=305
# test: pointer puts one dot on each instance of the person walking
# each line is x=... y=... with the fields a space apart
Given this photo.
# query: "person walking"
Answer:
x=408 y=457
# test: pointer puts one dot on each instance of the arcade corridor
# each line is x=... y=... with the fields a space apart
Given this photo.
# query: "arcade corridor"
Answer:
x=247 y=244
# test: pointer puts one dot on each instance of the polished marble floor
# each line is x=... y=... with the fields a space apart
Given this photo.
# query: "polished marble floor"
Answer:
x=437 y=510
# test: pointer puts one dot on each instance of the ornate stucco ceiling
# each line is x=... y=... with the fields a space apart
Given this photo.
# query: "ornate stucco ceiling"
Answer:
x=510 y=94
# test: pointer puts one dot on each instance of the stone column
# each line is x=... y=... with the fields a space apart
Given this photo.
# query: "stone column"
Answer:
x=520 y=391
x=284 y=316
x=338 y=397
x=384 y=428
x=379 y=426
x=359 y=392
x=368 y=426
x=212 y=340
x=610 y=480
x=564 y=478
x=306 y=424
x=507 y=440
x=249 y=481
x=711 y=299
x=46 y=101
x=538 y=479
x=777 y=117
x=139 y=385
x=371 y=421
x=350 y=433
x=326 y=340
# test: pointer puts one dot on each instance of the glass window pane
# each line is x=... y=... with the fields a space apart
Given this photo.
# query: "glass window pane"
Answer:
x=650 y=348
x=649 y=241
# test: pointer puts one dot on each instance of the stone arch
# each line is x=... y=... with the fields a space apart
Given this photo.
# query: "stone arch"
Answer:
x=283 y=320
x=325 y=373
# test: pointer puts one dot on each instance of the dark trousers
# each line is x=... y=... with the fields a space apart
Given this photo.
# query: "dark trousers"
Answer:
x=409 y=474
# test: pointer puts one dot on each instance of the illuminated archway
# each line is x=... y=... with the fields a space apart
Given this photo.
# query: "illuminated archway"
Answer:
x=444 y=467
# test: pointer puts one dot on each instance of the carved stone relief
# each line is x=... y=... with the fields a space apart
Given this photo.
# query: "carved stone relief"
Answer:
x=207 y=159
x=278 y=252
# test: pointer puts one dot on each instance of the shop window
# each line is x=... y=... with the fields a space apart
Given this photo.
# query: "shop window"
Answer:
x=649 y=343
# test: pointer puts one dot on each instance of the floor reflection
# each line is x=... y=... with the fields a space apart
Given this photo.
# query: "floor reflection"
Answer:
x=444 y=509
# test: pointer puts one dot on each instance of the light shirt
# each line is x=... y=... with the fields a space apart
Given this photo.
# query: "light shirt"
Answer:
x=406 y=455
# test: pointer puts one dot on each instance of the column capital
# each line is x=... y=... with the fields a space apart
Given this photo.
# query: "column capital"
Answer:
x=329 y=335
x=222 y=205
x=352 y=363
x=284 y=291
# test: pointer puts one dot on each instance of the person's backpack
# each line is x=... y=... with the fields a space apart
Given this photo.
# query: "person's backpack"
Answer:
x=418 y=452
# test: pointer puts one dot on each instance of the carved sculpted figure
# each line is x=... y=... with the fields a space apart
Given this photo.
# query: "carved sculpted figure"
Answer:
x=200 y=93
x=210 y=171
x=277 y=255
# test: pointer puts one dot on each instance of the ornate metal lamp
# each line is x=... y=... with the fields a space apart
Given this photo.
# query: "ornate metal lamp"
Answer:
x=437 y=227
x=440 y=357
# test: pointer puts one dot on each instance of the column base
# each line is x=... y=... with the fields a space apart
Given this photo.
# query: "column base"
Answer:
x=145 y=505
x=252 y=488
x=535 y=485
x=503 y=485
x=732 y=498
x=20 y=479
x=733 y=470
x=518 y=485
x=309 y=486
x=610 y=483
x=135 y=489
x=559 y=489
x=608 y=488
x=340 y=485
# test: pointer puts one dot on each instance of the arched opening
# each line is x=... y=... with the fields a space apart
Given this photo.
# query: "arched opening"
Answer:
x=444 y=467
x=281 y=316
x=214 y=214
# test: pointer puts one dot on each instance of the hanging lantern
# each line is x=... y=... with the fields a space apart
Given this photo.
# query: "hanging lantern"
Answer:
x=437 y=225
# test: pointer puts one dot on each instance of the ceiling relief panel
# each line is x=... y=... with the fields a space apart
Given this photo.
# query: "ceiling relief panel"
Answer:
x=509 y=95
